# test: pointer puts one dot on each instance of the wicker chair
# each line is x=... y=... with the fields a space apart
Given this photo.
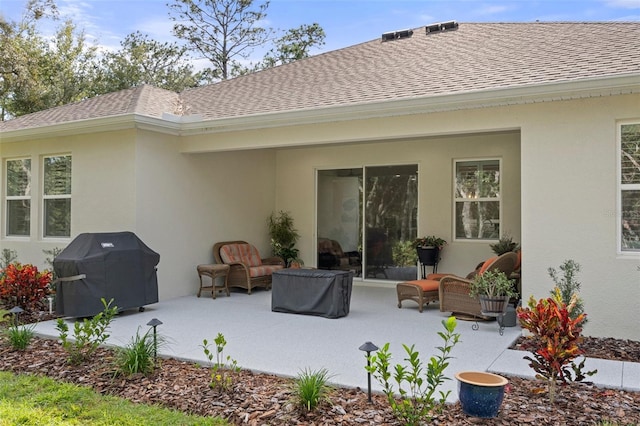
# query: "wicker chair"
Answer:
x=454 y=291
x=247 y=270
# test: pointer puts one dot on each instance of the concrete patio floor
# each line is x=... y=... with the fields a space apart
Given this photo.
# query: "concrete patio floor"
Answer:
x=285 y=344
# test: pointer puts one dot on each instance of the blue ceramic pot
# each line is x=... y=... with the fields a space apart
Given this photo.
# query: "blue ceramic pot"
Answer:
x=480 y=393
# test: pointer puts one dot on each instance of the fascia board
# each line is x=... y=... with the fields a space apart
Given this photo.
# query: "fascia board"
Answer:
x=425 y=104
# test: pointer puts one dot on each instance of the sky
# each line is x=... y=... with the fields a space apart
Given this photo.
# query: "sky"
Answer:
x=345 y=22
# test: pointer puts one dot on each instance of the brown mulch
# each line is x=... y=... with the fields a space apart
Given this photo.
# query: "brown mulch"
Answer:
x=262 y=399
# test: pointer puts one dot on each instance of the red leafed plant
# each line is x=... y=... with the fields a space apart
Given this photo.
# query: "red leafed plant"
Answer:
x=556 y=336
x=24 y=286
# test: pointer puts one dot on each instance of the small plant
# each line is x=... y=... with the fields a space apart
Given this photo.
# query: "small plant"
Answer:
x=88 y=334
x=504 y=245
x=24 y=286
x=416 y=388
x=283 y=236
x=492 y=284
x=7 y=257
x=223 y=370
x=429 y=241
x=50 y=257
x=556 y=336
x=569 y=286
x=20 y=336
x=404 y=253
x=138 y=356
x=310 y=388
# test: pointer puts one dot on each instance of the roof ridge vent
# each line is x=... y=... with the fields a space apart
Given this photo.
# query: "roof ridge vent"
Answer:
x=395 y=35
x=442 y=26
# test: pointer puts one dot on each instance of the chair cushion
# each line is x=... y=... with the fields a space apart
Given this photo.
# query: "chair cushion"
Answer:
x=486 y=265
x=261 y=271
x=240 y=253
x=426 y=285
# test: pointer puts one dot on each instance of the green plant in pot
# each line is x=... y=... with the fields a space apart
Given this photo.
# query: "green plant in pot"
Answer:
x=430 y=241
x=504 y=245
x=428 y=249
x=283 y=236
x=493 y=289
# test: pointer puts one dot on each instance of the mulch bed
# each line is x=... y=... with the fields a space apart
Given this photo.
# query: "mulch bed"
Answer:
x=263 y=399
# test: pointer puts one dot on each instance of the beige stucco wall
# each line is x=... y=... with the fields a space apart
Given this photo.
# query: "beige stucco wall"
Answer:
x=103 y=198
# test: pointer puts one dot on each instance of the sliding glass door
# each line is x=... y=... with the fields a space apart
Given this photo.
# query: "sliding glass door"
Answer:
x=367 y=220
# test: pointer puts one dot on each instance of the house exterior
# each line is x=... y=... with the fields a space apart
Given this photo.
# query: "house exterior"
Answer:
x=550 y=111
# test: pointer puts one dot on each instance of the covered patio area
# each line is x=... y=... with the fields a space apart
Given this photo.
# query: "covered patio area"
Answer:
x=285 y=344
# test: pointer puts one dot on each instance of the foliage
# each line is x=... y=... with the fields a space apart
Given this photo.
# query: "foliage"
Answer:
x=556 y=336
x=50 y=257
x=8 y=256
x=294 y=45
x=283 y=236
x=19 y=336
x=569 y=286
x=310 y=387
x=224 y=369
x=32 y=400
x=404 y=253
x=492 y=284
x=417 y=400
x=138 y=356
x=504 y=245
x=223 y=31
x=429 y=241
x=142 y=60
x=88 y=334
x=24 y=286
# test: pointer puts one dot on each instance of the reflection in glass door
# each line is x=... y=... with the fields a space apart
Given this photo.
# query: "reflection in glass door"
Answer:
x=384 y=199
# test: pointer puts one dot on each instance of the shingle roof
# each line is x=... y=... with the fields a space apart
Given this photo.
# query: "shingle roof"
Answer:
x=473 y=57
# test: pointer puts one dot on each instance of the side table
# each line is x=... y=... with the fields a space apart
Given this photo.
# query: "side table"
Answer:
x=214 y=271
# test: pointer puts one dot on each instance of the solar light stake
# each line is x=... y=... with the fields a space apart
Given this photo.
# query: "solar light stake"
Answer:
x=154 y=323
x=368 y=347
x=16 y=311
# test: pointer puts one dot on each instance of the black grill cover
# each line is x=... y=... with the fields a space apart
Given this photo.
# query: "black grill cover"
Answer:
x=312 y=292
x=115 y=265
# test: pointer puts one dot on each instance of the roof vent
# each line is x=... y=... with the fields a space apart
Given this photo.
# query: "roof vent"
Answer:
x=442 y=26
x=395 y=35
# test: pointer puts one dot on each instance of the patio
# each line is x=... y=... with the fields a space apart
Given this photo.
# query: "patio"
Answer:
x=285 y=344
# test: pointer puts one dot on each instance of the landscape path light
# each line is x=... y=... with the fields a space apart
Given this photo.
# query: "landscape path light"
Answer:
x=155 y=323
x=16 y=311
x=368 y=347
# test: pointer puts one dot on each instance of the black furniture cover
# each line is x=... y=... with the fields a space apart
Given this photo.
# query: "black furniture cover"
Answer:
x=312 y=292
x=116 y=266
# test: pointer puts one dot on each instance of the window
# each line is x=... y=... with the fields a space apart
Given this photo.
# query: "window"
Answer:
x=57 y=196
x=18 y=197
x=367 y=220
x=629 y=216
x=477 y=199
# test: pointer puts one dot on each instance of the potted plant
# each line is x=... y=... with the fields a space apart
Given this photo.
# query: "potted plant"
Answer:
x=283 y=236
x=428 y=249
x=504 y=245
x=480 y=393
x=493 y=289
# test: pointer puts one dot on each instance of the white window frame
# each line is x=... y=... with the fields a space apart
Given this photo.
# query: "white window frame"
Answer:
x=8 y=198
x=621 y=188
x=46 y=197
x=456 y=200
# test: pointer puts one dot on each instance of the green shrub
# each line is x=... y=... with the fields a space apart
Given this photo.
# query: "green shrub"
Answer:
x=310 y=388
x=7 y=257
x=88 y=334
x=568 y=285
x=415 y=387
x=20 y=336
x=137 y=357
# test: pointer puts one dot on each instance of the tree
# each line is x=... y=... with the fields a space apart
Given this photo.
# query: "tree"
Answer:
x=294 y=44
x=142 y=60
x=223 y=31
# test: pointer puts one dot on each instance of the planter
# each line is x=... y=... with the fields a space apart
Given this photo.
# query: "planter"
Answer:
x=480 y=393
x=493 y=304
x=428 y=256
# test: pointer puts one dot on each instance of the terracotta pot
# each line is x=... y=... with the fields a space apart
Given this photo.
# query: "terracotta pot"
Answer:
x=480 y=393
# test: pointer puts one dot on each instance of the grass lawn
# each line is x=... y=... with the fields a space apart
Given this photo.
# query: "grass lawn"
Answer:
x=31 y=400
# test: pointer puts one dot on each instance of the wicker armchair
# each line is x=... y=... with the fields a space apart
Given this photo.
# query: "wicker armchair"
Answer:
x=454 y=291
x=247 y=269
